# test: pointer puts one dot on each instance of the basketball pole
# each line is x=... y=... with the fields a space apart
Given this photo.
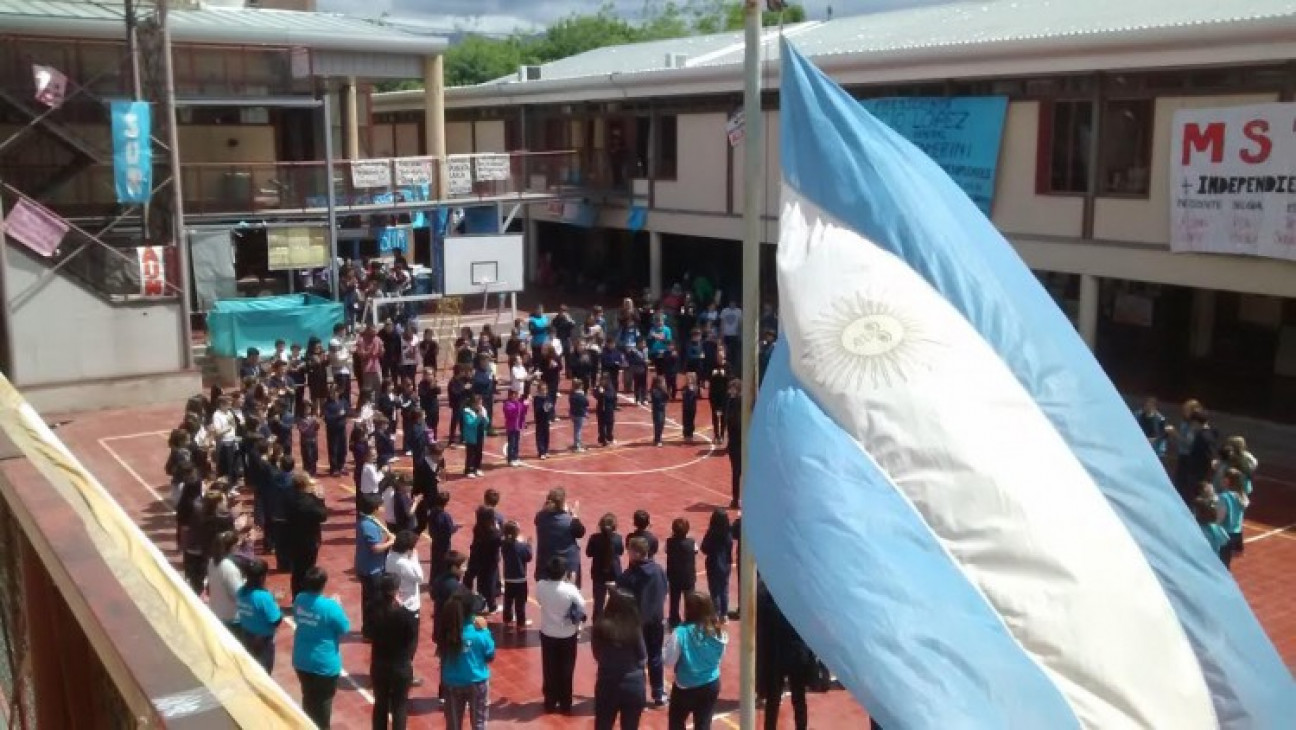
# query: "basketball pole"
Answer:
x=753 y=198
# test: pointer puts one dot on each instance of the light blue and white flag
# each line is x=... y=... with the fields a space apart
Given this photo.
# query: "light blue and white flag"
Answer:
x=947 y=496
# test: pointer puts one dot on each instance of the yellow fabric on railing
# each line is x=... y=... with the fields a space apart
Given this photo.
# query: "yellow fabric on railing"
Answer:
x=228 y=675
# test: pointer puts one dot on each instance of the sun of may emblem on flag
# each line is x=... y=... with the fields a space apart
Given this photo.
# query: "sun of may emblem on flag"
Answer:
x=861 y=341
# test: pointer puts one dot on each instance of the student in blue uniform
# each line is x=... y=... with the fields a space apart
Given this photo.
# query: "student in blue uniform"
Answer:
x=335 y=418
x=258 y=614
x=429 y=394
x=689 y=401
x=1207 y=513
x=515 y=553
x=577 y=409
x=321 y=624
x=717 y=546
x=659 y=397
x=543 y=407
x=606 y=397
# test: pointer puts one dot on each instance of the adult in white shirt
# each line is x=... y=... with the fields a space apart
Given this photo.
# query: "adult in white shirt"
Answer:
x=519 y=374
x=409 y=354
x=562 y=609
x=224 y=579
x=370 y=475
x=224 y=429
x=339 y=357
x=731 y=332
x=403 y=563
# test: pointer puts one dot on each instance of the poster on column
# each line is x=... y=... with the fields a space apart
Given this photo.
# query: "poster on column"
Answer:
x=1233 y=181
x=132 y=151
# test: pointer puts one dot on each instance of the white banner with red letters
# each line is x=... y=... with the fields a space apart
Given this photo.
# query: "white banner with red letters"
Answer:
x=152 y=271
x=1233 y=180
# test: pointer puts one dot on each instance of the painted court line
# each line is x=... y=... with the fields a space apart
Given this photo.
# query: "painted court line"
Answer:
x=1275 y=532
x=346 y=678
x=141 y=434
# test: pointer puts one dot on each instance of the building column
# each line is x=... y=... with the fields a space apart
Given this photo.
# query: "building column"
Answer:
x=1087 y=317
x=434 y=115
x=351 y=120
x=655 y=264
x=532 y=262
x=1202 y=333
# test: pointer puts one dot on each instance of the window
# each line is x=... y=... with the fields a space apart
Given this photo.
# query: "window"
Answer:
x=1126 y=147
x=667 y=147
x=1064 y=138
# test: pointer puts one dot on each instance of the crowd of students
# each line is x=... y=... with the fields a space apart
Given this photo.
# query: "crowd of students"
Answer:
x=237 y=449
x=1213 y=475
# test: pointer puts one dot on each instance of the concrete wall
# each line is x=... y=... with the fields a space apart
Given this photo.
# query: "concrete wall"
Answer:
x=699 y=184
x=1017 y=207
x=64 y=334
x=1147 y=220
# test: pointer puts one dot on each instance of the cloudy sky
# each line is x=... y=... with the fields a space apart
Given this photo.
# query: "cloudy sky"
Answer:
x=502 y=16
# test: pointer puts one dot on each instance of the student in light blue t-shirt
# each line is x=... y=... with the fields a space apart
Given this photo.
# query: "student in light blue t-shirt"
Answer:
x=1206 y=511
x=1233 y=503
x=694 y=649
x=321 y=624
x=258 y=615
x=466 y=648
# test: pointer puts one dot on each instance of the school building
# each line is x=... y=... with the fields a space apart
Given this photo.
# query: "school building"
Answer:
x=267 y=98
x=1084 y=179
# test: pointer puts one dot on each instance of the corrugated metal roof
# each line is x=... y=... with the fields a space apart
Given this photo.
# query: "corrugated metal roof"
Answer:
x=324 y=31
x=954 y=24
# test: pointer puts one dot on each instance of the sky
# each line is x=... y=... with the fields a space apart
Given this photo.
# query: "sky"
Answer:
x=503 y=16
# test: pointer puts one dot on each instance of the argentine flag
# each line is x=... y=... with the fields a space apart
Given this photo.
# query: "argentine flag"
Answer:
x=947 y=496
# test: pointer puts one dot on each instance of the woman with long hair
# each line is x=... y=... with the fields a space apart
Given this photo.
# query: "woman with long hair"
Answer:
x=694 y=650
x=618 y=646
x=604 y=549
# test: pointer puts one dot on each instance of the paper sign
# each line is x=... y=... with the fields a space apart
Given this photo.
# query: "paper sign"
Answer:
x=492 y=167
x=371 y=174
x=736 y=127
x=299 y=247
x=51 y=85
x=36 y=227
x=459 y=175
x=413 y=170
x=1233 y=180
x=152 y=270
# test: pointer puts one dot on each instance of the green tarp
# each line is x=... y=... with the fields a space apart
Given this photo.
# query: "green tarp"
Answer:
x=234 y=325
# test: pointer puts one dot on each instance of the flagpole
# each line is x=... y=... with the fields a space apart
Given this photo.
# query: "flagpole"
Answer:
x=753 y=209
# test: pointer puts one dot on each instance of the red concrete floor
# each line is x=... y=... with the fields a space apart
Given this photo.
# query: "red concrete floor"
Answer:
x=126 y=450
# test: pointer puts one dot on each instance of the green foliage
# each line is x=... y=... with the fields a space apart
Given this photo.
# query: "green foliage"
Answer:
x=478 y=59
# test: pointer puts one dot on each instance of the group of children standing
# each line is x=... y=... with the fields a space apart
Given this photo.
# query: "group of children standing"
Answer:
x=1213 y=476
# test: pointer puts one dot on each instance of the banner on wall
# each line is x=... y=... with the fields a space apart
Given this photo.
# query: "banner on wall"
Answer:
x=132 y=151
x=1233 y=180
x=298 y=247
x=962 y=134
x=51 y=85
x=35 y=226
x=152 y=270
x=371 y=174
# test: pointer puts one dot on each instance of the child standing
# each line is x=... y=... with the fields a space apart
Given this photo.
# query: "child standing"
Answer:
x=690 y=401
x=335 y=417
x=544 y=415
x=637 y=357
x=604 y=549
x=441 y=530
x=384 y=440
x=718 y=392
x=577 y=409
x=308 y=427
x=515 y=411
x=474 y=432
x=642 y=521
x=670 y=368
x=694 y=356
x=1232 y=504
x=515 y=553
x=466 y=649
x=607 y=403
x=659 y=398
x=1207 y=514
x=428 y=395
x=681 y=566
x=456 y=395
x=484 y=556
x=717 y=546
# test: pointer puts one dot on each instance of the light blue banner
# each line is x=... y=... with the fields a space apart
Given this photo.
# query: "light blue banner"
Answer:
x=961 y=134
x=132 y=151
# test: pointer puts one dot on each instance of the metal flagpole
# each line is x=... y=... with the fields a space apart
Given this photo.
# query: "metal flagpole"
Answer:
x=753 y=209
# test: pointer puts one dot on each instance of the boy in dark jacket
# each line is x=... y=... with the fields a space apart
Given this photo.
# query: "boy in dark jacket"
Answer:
x=515 y=553
x=681 y=566
x=647 y=581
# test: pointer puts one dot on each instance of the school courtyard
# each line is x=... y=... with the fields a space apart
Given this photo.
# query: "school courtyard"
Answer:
x=125 y=449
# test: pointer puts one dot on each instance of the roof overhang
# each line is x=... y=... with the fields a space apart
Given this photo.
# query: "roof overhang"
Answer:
x=1258 y=41
x=247 y=27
